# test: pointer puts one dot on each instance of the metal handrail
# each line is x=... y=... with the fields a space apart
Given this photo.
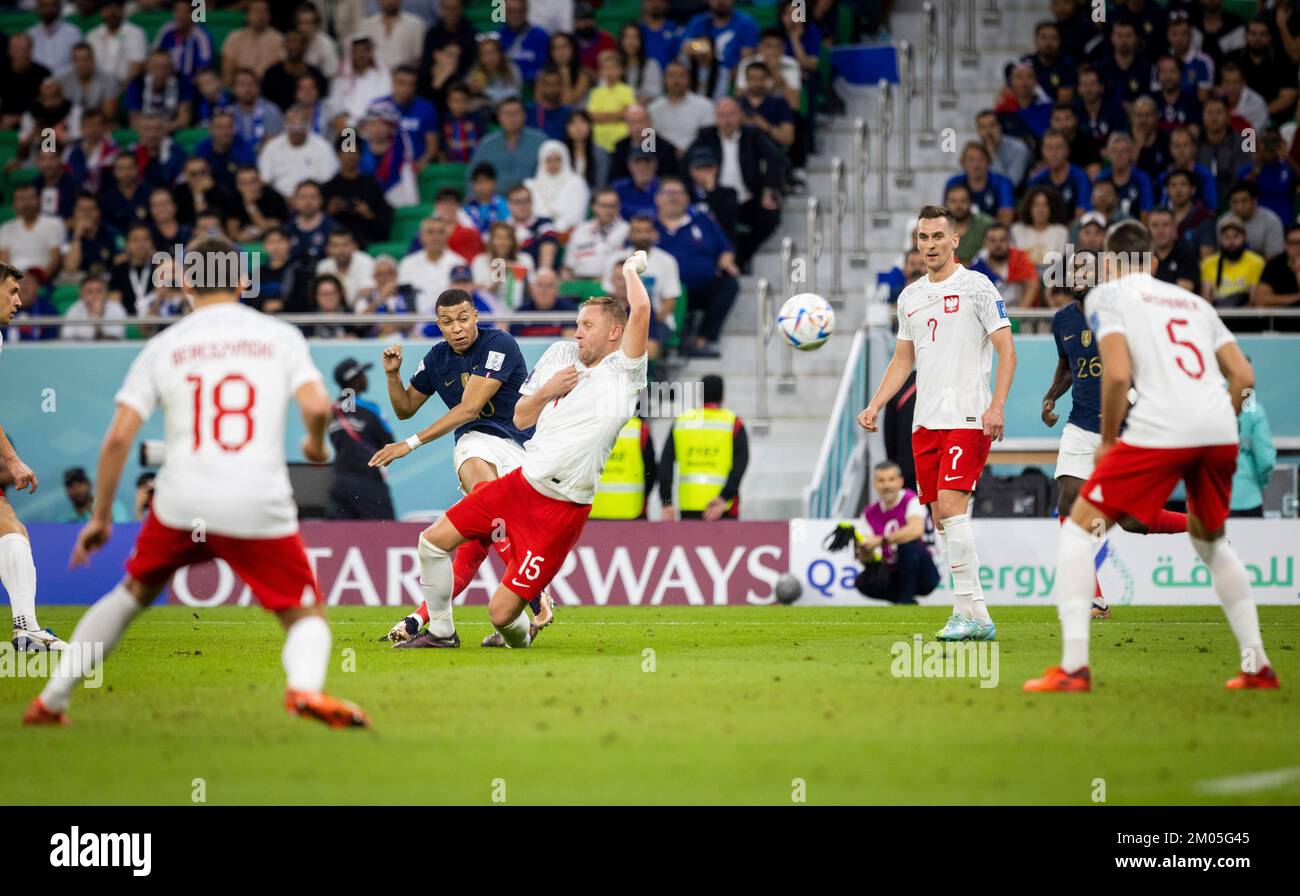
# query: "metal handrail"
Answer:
x=813 y=239
x=948 y=95
x=930 y=52
x=838 y=209
x=906 y=86
x=860 y=163
x=314 y=318
x=761 y=423
x=884 y=99
x=785 y=382
x=970 y=53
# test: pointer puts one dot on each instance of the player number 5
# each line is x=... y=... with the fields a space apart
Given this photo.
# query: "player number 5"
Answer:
x=1191 y=347
x=531 y=567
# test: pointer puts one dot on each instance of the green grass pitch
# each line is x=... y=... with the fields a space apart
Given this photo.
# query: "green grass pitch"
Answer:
x=740 y=703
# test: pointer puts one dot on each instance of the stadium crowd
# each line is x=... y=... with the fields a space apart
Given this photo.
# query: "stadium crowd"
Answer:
x=1182 y=115
x=376 y=152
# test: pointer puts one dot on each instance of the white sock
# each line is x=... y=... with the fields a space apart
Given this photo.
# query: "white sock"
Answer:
x=516 y=632
x=1233 y=587
x=1074 y=589
x=306 y=654
x=18 y=575
x=959 y=542
x=102 y=626
x=961 y=603
x=436 y=582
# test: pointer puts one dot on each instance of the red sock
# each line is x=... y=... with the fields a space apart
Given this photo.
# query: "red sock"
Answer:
x=469 y=556
x=1168 y=522
x=423 y=613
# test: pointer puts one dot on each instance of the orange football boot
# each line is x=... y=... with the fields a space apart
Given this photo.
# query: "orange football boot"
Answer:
x=1264 y=679
x=37 y=714
x=1057 y=679
x=321 y=706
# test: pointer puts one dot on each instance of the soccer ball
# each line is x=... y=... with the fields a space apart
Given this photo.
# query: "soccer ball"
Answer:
x=806 y=321
x=788 y=589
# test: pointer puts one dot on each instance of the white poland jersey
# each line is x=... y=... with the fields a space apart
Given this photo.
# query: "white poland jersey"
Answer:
x=576 y=433
x=223 y=376
x=948 y=324
x=1173 y=335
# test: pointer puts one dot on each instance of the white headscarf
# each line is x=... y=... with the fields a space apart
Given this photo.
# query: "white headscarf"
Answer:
x=562 y=197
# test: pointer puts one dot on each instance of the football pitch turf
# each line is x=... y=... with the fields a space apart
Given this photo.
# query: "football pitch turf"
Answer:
x=732 y=706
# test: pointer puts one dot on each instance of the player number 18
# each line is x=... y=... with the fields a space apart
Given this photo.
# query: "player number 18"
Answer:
x=223 y=410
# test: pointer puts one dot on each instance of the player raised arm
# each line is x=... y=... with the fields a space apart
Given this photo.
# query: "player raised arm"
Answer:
x=637 y=328
x=316 y=407
x=896 y=373
x=478 y=392
x=405 y=398
x=1061 y=383
x=122 y=431
x=22 y=476
x=995 y=418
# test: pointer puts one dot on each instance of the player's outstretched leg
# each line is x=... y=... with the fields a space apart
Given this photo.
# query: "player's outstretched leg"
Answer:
x=18 y=575
x=1074 y=586
x=305 y=657
x=437 y=582
x=1232 y=584
x=93 y=639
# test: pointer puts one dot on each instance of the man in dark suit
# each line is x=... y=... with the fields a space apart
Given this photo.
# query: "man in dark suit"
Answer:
x=639 y=129
x=707 y=195
x=751 y=164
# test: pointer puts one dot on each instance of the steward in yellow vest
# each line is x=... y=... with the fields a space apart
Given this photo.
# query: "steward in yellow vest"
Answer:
x=629 y=475
x=710 y=447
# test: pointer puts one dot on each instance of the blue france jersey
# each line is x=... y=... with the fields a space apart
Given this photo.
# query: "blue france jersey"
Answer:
x=494 y=354
x=1075 y=343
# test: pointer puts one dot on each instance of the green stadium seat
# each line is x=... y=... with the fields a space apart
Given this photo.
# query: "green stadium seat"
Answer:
x=125 y=137
x=438 y=175
x=151 y=22
x=85 y=23
x=765 y=16
x=64 y=296
x=14 y=20
x=680 y=312
x=395 y=248
x=480 y=16
x=231 y=18
x=406 y=222
x=6 y=213
x=188 y=138
x=583 y=289
x=9 y=140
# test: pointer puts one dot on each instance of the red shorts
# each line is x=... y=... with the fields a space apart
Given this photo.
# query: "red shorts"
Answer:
x=948 y=458
x=276 y=569
x=541 y=530
x=1138 y=481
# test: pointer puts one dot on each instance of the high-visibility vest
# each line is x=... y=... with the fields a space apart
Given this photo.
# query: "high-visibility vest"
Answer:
x=702 y=440
x=620 y=493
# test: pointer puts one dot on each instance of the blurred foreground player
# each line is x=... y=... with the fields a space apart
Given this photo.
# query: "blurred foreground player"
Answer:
x=578 y=396
x=1078 y=371
x=17 y=571
x=949 y=323
x=1174 y=348
x=223 y=376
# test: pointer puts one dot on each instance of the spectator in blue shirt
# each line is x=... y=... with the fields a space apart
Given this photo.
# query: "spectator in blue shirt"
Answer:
x=188 y=43
x=418 y=117
x=1055 y=73
x=1132 y=185
x=511 y=151
x=1099 y=113
x=637 y=193
x=706 y=262
x=660 y=35
x=547 y=112
x=1182 y=157
x=990 y=192
x=1177 y=105
x=1126 y=72
x=485 y=206
x=1272 y=175
x=1069 y=180
x=159 y=89
x=225 y=151
x=526 y=45
x=734 y=34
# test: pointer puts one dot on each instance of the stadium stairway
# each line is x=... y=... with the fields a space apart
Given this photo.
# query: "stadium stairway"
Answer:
x=788 y=453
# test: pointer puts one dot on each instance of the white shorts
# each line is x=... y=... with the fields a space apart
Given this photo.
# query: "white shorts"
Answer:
x=504 y=454
x=1077 y=453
